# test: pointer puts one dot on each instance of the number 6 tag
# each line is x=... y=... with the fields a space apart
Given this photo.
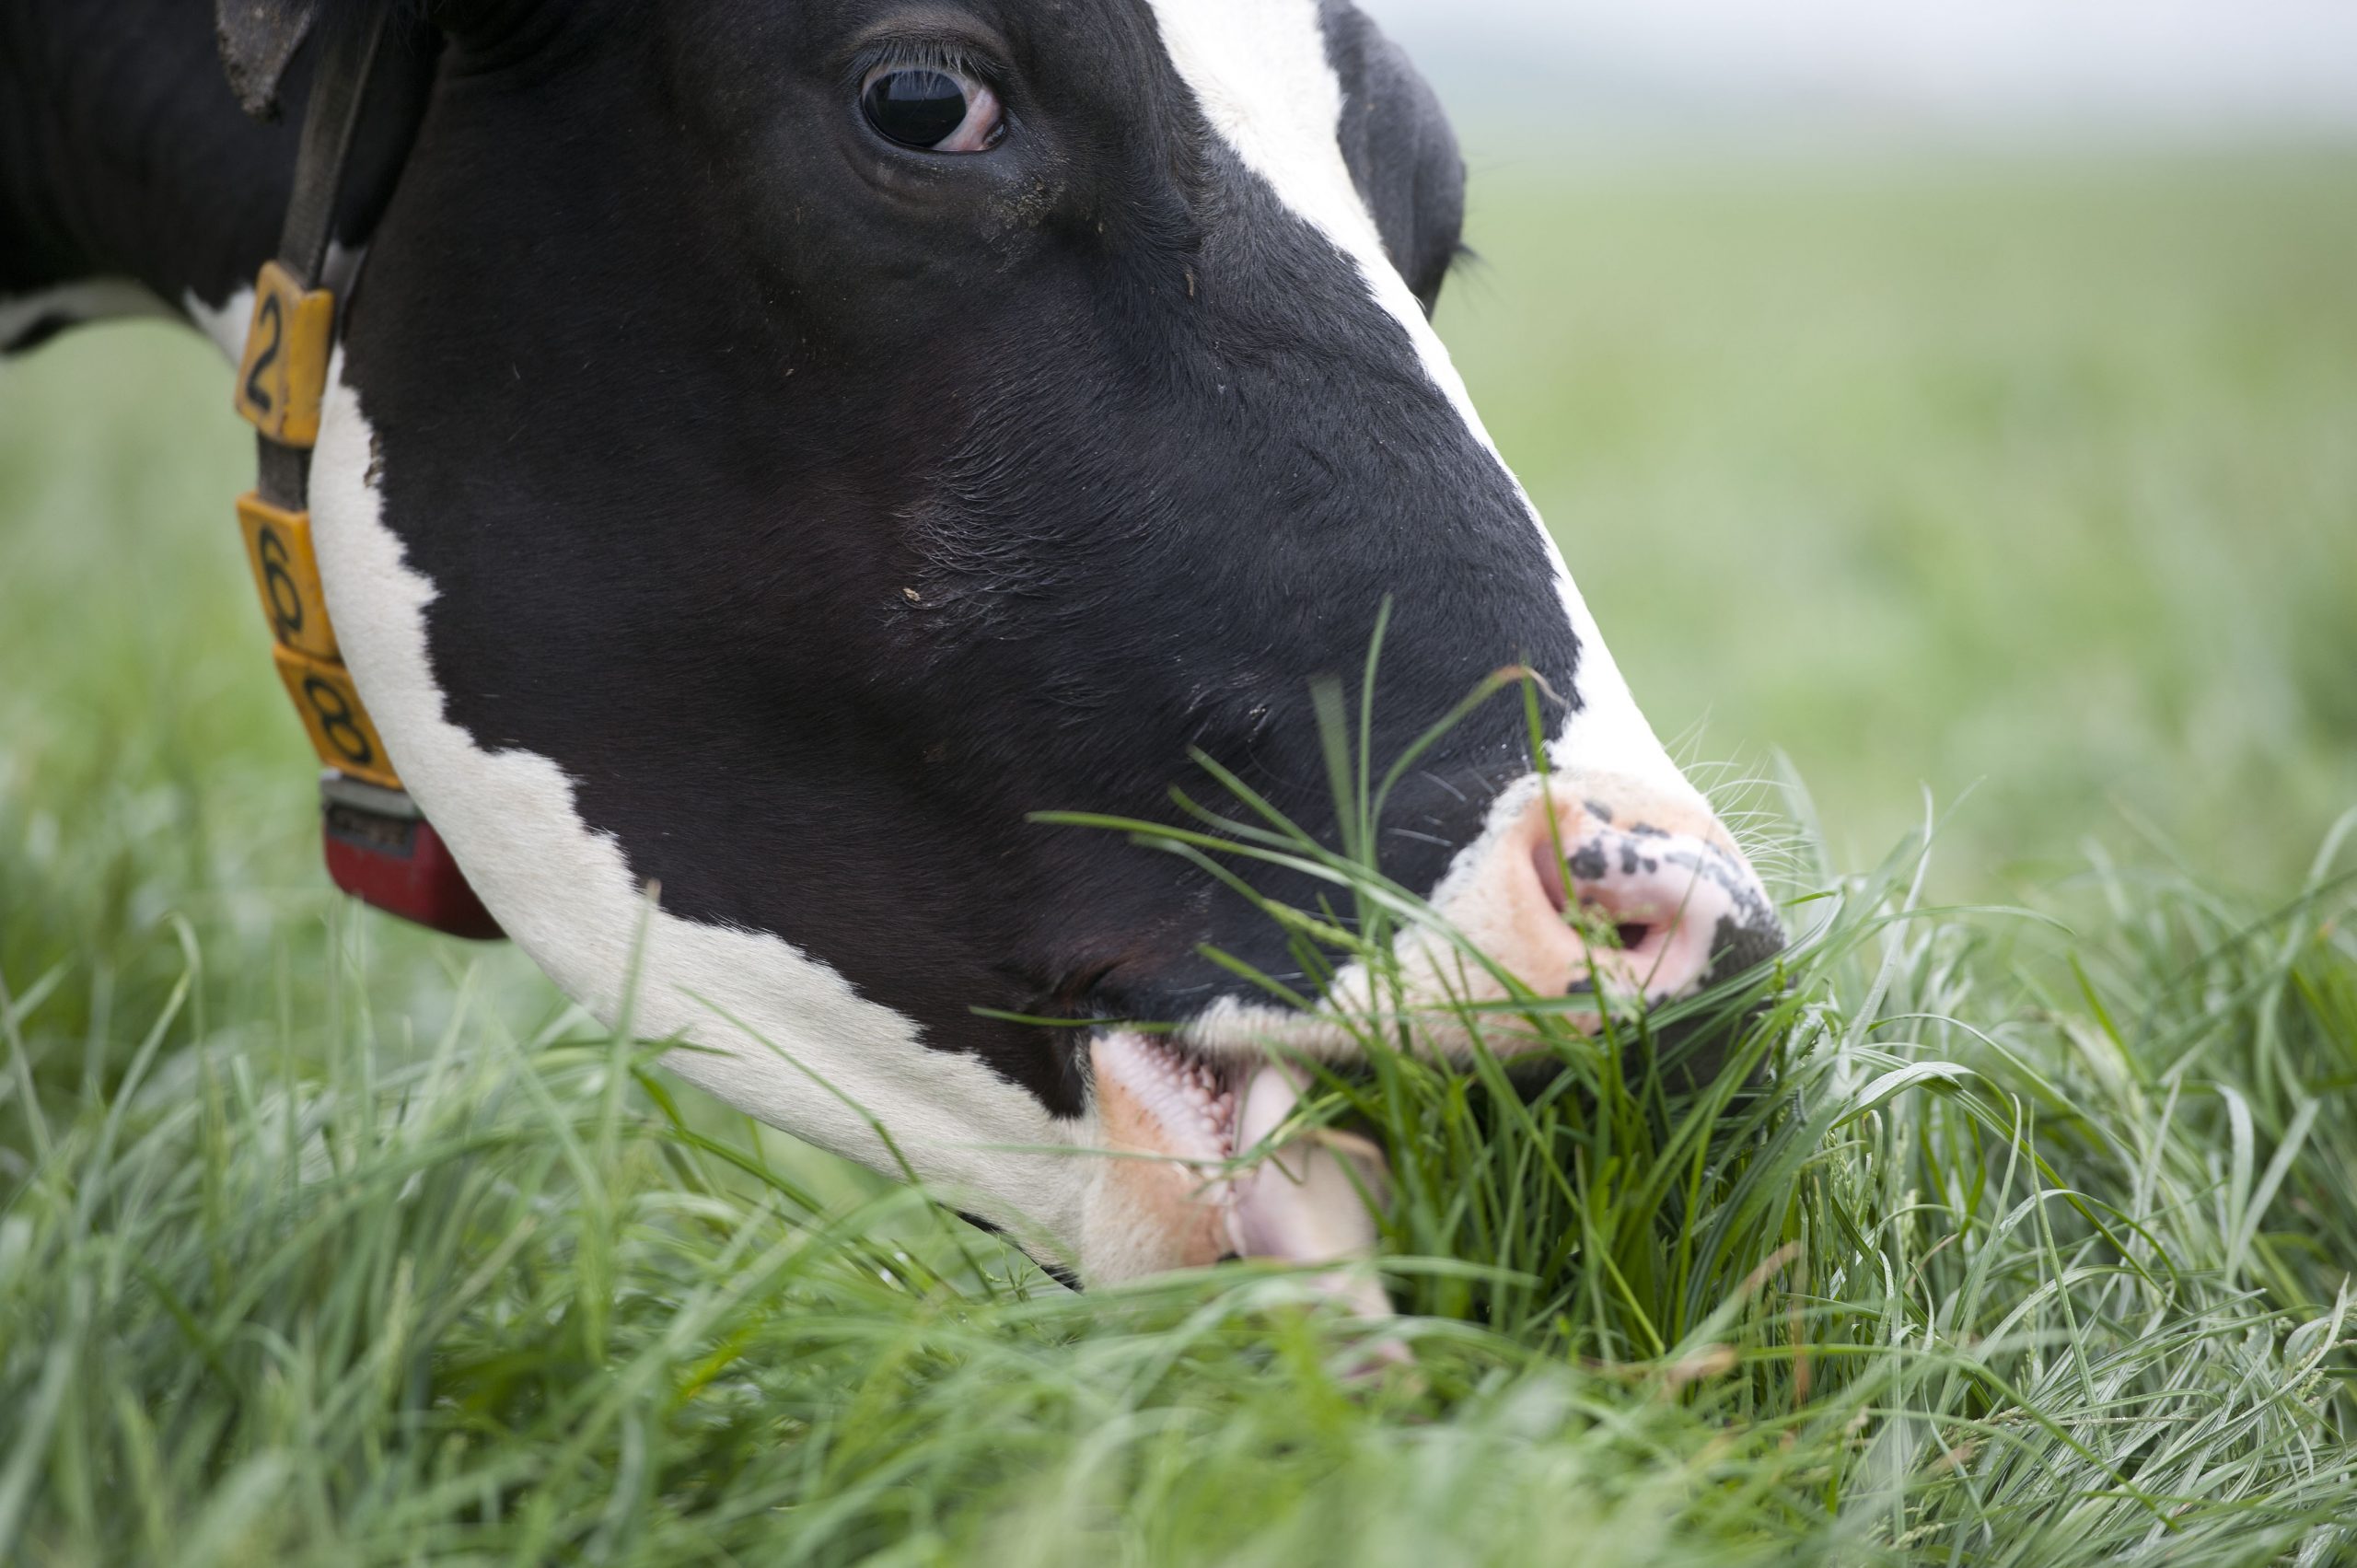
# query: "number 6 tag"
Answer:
x=286 y=575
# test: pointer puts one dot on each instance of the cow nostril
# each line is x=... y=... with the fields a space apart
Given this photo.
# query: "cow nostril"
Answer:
x=1629 y=935
x=1551 y=878
x=1592 y=913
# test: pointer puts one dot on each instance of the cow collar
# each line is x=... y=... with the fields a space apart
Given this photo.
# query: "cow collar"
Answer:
x=379 y=847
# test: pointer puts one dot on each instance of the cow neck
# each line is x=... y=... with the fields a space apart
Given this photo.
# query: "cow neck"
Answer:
x=378 y=845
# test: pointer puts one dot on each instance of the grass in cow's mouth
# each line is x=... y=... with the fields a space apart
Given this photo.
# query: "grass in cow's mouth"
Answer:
x=1483 y=1109
x=1495 y=1118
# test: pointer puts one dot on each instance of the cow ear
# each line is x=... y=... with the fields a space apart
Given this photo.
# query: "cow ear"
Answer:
x=258 y=39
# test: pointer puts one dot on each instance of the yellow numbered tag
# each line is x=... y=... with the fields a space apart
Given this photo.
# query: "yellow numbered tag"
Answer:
x=278 y=546
x=284 y=372
x=341 y=731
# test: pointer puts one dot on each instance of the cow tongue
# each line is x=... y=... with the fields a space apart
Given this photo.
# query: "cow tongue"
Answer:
x=1303 y=1203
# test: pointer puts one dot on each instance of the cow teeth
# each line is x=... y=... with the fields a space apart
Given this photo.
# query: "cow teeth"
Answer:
x=1186 y=1098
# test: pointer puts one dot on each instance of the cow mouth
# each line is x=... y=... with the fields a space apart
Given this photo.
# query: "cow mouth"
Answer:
x=1210 y=1168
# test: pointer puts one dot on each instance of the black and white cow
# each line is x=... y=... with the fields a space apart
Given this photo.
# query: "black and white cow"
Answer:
x=779 y=445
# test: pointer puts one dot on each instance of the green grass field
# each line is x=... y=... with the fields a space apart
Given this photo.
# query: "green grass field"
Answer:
x=2029 y=490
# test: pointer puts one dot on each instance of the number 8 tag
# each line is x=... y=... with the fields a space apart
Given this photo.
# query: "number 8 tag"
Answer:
x=341 y=731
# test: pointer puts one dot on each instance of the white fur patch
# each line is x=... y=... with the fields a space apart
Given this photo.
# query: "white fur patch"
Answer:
x=226 y=324
x=1258 y=69
x=564 y=893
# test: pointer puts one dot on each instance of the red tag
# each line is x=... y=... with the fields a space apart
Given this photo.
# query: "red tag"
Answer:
x=401 y=865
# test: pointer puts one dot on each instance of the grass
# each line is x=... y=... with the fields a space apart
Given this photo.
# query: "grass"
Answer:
x=322 y=1241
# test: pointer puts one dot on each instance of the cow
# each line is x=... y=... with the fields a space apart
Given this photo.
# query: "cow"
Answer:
x=776 y=450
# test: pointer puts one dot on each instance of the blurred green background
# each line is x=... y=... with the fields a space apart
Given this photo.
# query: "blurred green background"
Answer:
x=2030 y=478
x=2031 y=482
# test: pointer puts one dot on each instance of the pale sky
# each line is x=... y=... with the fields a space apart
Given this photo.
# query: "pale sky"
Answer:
x=2186 y=63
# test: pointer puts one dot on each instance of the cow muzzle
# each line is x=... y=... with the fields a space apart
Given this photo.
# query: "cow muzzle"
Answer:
x=1591 y=886
x=1601 y=884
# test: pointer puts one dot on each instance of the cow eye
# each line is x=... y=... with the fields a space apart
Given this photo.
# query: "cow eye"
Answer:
x=938 y=111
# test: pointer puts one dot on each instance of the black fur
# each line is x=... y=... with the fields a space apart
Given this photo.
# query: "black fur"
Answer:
x=123 y=153
x=825 y=508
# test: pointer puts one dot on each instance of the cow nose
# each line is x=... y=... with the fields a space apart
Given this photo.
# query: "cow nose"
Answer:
x=1608 y=884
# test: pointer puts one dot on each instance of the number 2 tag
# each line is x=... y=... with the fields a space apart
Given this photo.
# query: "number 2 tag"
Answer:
x=284 y=372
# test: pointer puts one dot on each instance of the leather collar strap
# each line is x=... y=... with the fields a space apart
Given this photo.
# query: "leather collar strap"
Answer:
x=379 y=847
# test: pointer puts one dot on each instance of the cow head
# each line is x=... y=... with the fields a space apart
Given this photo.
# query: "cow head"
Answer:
x=781 y=446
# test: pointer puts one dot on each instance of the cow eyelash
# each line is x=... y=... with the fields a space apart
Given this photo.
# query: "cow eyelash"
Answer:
x=926 y=54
